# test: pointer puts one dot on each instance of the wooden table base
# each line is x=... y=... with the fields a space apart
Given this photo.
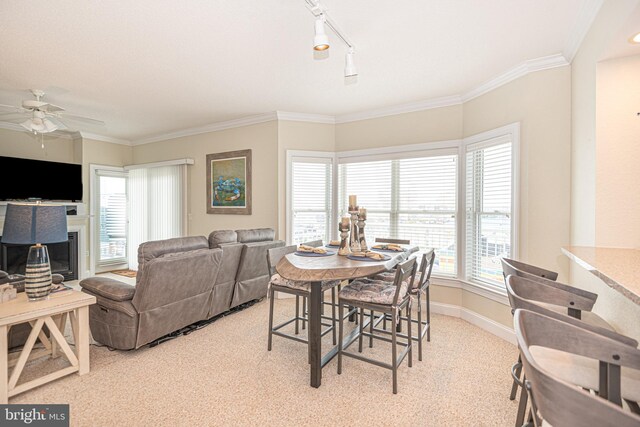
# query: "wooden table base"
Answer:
x=53 y=345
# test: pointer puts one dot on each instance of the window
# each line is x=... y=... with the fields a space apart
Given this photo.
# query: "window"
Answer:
x=458 y=197
x=489 y=208
x=311 y=199
x=408 y=198
x=112 y=218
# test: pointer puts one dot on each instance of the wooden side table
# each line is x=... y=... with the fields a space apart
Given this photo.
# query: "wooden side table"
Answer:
x=53 y=313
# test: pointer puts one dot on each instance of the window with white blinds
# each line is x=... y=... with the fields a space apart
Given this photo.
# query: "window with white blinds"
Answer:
x=311 y=199
x=489 y=209
x=407 y=198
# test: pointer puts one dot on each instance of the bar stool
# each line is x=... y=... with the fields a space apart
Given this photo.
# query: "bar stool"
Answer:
x=299 y=289
x=538 y=275
x=558 y=401
x=386 y=298
x=530 y=294
x=420 y=286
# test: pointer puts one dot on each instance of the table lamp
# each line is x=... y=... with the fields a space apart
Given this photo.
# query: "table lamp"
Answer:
x=36 y=224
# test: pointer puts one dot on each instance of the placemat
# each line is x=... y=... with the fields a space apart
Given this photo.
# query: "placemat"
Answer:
x=359 y=258
x=313 y=254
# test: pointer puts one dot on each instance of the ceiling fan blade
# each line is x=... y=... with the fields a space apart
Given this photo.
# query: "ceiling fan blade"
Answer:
x=12 y=117
x=58 y=123
x=79 y=119
x=13 y=108
x=51 y=108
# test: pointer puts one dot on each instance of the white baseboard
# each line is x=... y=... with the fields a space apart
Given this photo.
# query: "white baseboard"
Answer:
x=476 y=319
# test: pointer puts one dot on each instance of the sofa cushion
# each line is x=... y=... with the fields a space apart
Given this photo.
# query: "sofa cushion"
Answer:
x=158 y=248
x=256 y=235
x=219 y=237
x=109 y=288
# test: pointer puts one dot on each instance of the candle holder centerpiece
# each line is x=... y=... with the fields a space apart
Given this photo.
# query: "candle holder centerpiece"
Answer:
x=354 y=240
x=344 y=227
x=362 y=217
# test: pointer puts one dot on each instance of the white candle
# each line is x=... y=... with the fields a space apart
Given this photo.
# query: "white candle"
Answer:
x=353 y=202
x=362 y=213
x=345 y=220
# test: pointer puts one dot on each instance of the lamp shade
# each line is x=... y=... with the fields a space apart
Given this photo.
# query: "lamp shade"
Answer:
x=28 y=224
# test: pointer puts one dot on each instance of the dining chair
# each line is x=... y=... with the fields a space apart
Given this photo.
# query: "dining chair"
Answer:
x=420 y=286
x=558 y=402
x=299 y=289
x=390 y=240
x=527 y=293
x=386 y=298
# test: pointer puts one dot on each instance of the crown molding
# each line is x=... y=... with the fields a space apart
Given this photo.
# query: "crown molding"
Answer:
x=445 y=101
x=229 y=124
x=586 y=16
x=104 y=138
x=526 y=67
x=305 y=117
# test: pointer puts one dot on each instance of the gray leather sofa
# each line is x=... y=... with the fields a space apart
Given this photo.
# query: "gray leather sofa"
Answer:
x=179 y=282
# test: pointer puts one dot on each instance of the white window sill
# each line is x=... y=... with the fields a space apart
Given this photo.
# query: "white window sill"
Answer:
x=487 y=291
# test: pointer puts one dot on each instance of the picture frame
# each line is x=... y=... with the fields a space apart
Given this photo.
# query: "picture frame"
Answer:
x=229 y=183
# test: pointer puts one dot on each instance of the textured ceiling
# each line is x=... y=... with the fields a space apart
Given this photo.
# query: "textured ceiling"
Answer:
x=147 y=67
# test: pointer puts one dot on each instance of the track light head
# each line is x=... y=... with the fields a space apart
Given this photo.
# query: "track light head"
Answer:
x=349 y=64
x=320 y=39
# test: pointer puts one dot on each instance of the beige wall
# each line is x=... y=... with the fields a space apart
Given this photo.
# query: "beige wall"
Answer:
x=438 y=124
x=583 y=121
x=261 y=138
x=587 y=168
x=298 y=136
x=541 y=102
x=29 y=146
x=618 y=152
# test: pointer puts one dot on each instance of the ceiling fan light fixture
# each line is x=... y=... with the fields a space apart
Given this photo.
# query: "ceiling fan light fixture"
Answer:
x=38 y=125
x=320 y=39
x=349 y=64
x=49 y=125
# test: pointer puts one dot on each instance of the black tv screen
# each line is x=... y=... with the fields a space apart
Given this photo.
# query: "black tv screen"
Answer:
x=37 y=179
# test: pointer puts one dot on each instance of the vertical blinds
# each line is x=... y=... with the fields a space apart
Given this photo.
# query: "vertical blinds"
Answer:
x=410 y=198
x=488 y=209
x=311 y=199
x=156 y=197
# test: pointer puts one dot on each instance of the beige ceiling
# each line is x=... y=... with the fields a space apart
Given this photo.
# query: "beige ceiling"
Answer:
x=149 y=67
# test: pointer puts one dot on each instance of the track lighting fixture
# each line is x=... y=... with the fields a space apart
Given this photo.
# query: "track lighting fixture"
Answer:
x=321 y=40
x=349 y=65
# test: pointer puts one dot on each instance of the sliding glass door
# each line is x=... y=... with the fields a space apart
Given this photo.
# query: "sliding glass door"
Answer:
x=112 y=218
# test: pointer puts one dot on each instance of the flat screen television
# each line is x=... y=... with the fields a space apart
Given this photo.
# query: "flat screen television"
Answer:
x=24 y=179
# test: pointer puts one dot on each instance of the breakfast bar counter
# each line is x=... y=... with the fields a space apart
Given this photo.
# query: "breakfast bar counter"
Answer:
x=619 y=268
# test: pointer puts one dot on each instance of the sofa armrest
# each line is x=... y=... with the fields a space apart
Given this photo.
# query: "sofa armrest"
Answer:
x=112 y=289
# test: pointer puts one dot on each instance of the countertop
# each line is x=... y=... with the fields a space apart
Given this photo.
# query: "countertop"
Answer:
x=617 y=267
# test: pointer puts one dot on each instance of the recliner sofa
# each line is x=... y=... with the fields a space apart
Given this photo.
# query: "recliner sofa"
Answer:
x=179 y=282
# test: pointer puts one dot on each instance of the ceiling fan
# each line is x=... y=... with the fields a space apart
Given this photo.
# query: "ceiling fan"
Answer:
x=41 y=116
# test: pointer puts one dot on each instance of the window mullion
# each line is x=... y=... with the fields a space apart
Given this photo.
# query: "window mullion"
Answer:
x=395 y=196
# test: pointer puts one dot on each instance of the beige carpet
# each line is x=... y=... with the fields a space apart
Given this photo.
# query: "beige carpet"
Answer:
x=222 y=375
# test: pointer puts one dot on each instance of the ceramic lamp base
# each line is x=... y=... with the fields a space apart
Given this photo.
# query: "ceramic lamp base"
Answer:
x=37 y=273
